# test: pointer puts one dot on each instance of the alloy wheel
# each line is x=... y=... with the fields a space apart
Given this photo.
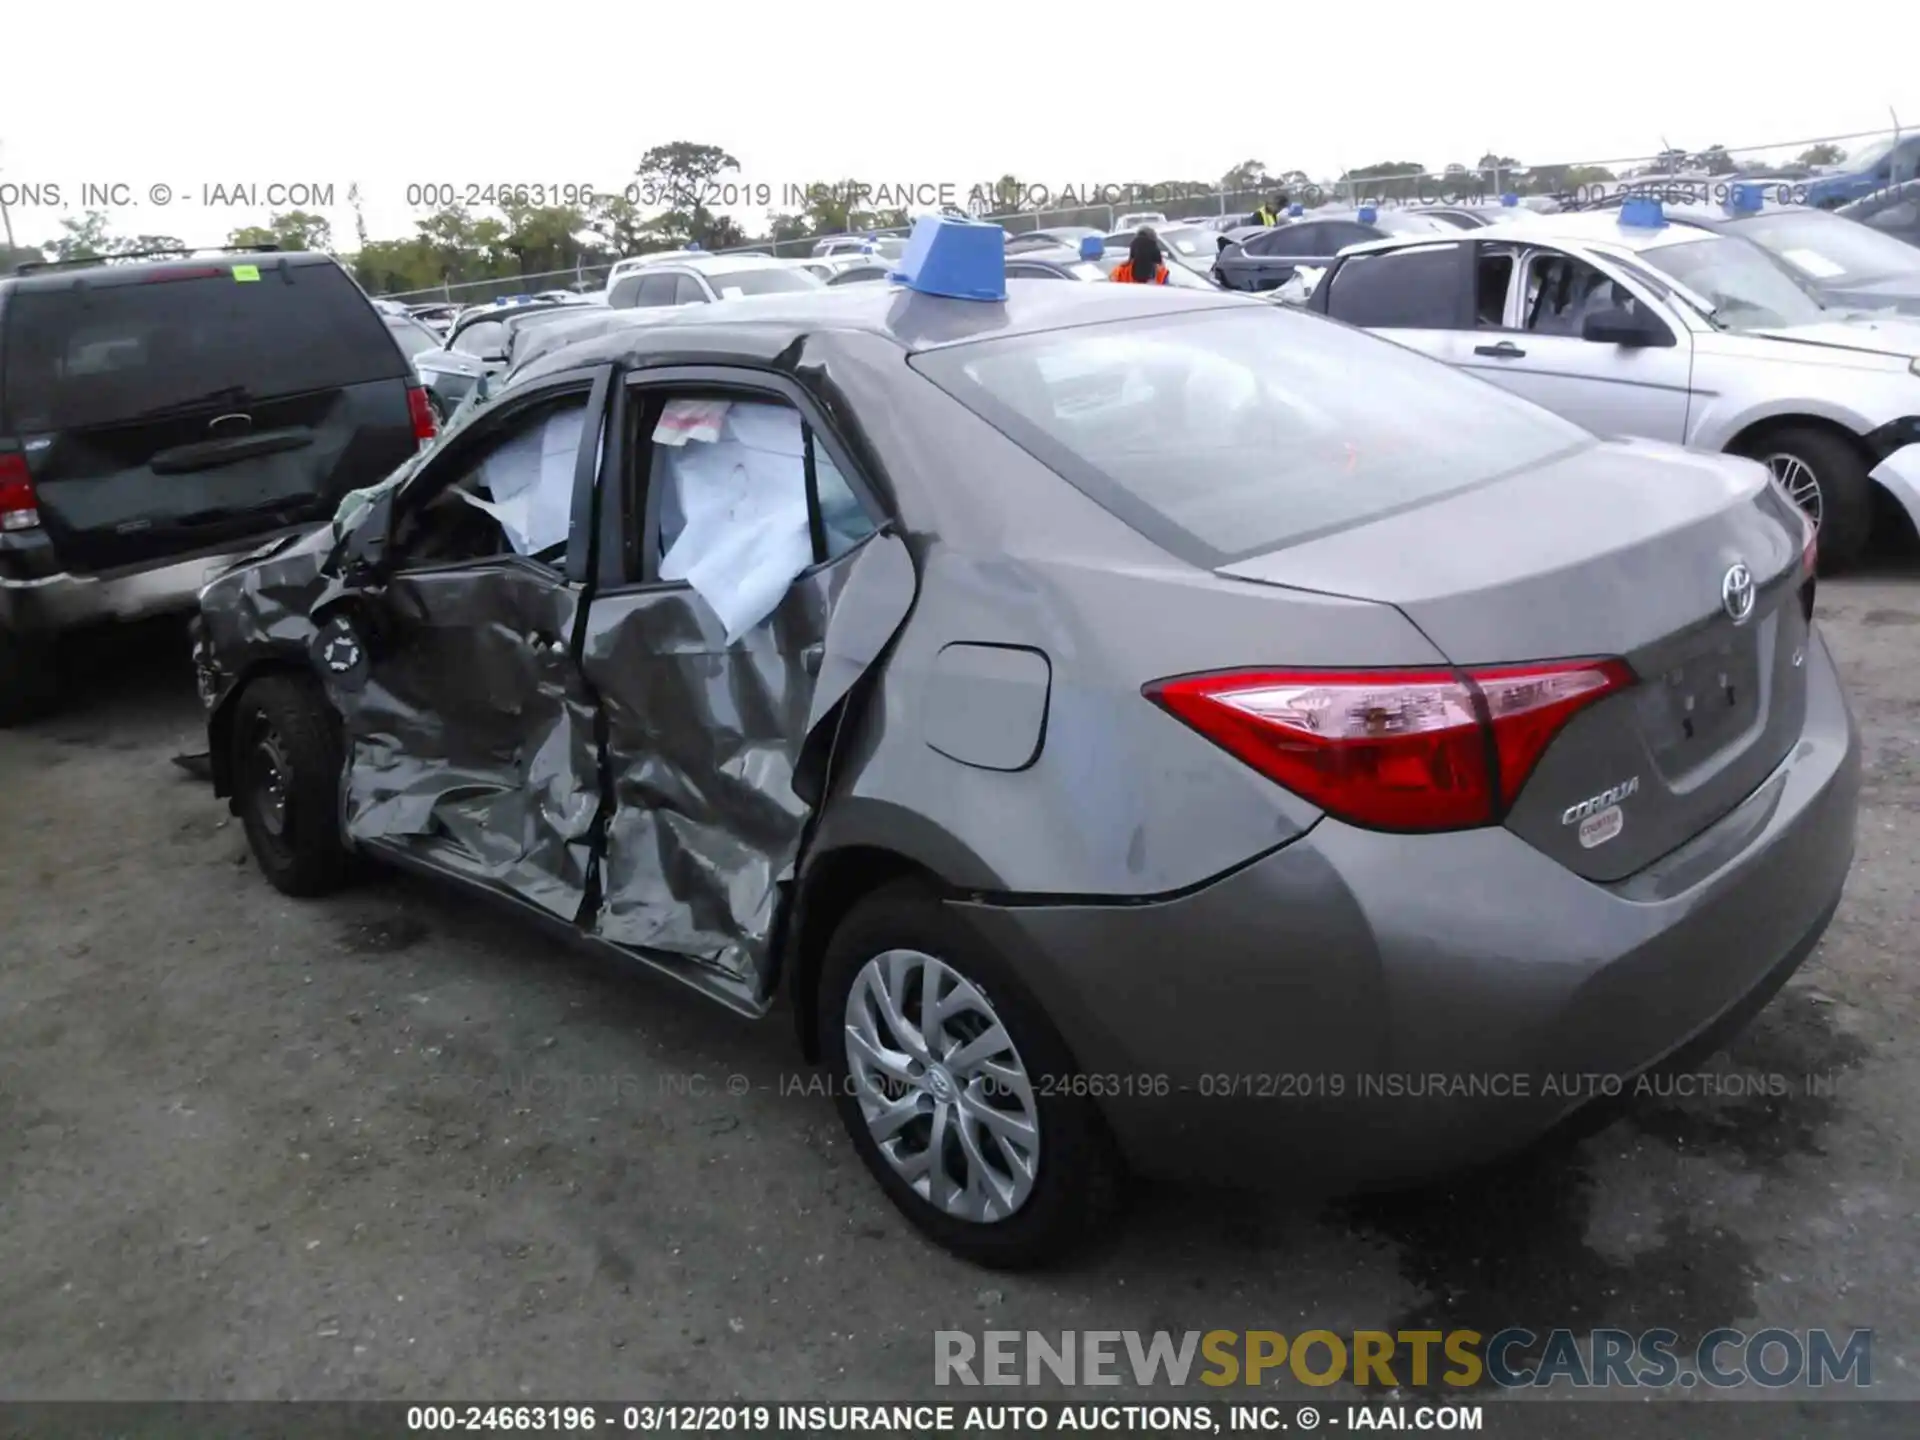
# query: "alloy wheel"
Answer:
x=1796 y=477
x=941 y=1086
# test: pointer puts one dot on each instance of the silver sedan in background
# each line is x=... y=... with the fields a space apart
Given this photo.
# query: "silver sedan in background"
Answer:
x=1632 y=324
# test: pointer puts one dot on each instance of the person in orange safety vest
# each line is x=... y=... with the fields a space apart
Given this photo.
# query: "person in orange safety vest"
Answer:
x=1143 y=264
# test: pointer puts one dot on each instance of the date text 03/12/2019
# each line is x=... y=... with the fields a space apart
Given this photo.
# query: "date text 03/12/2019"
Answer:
x=944 y=1419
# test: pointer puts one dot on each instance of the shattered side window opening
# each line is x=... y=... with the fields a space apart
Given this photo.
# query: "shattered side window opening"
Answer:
x=732 y=512
x=521 y=478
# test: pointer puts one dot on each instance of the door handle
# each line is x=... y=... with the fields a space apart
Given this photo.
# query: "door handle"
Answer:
x=811 y=657
x=1505 y=350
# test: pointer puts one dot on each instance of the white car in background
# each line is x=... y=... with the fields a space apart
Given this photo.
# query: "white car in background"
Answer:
x=702 y=279
x=1138 y=218
x=1632 y=325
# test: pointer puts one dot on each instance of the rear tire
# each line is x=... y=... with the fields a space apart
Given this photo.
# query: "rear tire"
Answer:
x=1827 y=479
x=287 y=760
x=1044 y=1195
x=29 y=677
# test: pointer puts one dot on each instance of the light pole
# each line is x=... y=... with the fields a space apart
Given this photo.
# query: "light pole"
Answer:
x=6 y=220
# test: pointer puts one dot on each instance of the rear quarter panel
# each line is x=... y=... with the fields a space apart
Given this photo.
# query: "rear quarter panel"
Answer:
x=1122 y=800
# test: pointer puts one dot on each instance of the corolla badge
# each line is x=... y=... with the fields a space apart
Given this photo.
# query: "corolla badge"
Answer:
x=1600 y=817
x=1736 y=592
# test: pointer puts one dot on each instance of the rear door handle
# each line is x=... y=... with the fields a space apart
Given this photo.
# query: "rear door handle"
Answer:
x=1505 y=350
x=811 y=657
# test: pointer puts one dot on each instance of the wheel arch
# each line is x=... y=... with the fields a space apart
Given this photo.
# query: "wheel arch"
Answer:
x=220 y=719
x=1755 y=431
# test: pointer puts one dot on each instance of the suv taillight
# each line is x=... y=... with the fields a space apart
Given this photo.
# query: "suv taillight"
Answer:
x=18 y=508
x=1401 y=750
x=424 y=427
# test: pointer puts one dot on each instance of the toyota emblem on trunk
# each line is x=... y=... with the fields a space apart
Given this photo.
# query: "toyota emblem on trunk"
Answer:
x=1736 y=592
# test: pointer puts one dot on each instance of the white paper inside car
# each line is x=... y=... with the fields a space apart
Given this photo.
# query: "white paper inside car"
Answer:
x=743 y=497
x=530 y=480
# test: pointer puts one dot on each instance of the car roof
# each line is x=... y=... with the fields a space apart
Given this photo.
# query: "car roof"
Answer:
x=730 y=264
x=94 y=274
x=1905 y=190
x=1585 y=227
x=510 y=313
x=760 y=328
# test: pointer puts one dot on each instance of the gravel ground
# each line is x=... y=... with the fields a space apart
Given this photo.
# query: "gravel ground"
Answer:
x=388 y=1145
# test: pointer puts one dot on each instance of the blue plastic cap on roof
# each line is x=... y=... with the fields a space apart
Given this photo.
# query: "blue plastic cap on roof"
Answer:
x=1368 y=214
x=1296 y=209
x=1746 y=199
x=1092 y=247
x=1509 y=199
x=1643 y=211
x=956 y=258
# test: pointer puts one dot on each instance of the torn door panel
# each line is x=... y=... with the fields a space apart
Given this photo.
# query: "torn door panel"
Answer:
x=471 y=740
x=702 y=743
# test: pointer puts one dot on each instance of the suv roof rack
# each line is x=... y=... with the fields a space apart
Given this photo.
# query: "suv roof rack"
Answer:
x=30 y=266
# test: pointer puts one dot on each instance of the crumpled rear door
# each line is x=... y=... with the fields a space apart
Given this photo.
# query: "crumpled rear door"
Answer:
x=705 y=732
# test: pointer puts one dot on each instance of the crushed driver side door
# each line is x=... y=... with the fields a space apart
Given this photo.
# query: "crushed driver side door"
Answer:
x=470 y=729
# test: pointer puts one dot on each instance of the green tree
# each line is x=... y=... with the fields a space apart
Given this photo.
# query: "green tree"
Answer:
x=1247 y=175
x=545 y=237
x=1824 y=153
x=14 y=255
x=88 y=239
x=783 y=228
x=618 y=223
x=289 y=230
x=1388 y=179
x=680 y=176
x=1714 y=160
x=82 y=239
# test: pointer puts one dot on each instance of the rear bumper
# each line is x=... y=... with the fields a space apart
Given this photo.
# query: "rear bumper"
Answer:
x=52 y=603
x=1360 y=1009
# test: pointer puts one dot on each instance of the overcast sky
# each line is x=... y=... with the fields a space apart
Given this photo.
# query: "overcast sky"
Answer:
x=391 y=96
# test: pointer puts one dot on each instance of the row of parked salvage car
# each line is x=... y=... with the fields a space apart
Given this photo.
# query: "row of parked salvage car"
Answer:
x=1104 y=710
x=1777 y=331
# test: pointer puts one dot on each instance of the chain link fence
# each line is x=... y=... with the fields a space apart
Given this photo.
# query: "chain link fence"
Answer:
x=1453 y=185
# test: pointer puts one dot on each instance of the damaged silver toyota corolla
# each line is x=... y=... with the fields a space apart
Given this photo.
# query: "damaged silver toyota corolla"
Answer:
x=1137 y=726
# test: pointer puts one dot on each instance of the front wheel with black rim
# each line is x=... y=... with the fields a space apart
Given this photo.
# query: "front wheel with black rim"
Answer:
x=286 y=779
x=955 y=1089
x=1827 y=478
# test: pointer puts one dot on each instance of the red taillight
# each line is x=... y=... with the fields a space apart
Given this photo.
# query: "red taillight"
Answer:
x=1394 y=749
x=18 y=508
x=424 y=426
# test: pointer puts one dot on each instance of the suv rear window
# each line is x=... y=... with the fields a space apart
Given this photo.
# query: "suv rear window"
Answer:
x=1224 y=433
x=92 y=354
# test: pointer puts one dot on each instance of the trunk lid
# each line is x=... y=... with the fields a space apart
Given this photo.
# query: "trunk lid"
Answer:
x=166 y=412
x=1622 y=550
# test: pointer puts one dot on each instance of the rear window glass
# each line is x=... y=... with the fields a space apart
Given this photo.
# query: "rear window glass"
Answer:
x=1227 y=433
x=78 y=356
